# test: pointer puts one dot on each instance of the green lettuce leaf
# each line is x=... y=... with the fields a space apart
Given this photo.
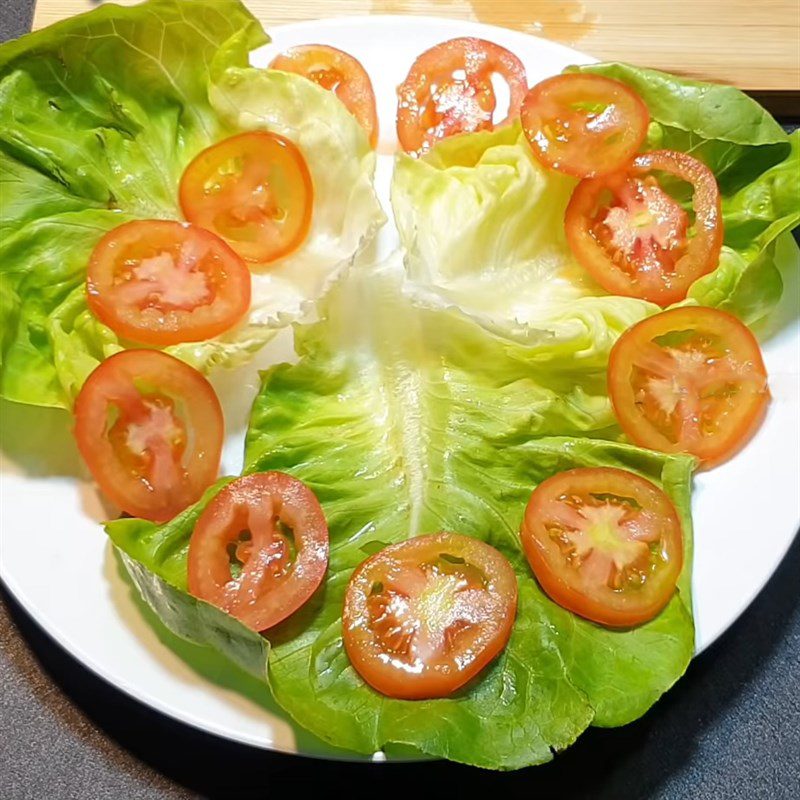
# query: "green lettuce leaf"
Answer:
x=766 y=207
x=481 y=221
x=155 y=559
x=730 y=132
x=757 y=167
x=99 y=116
x=199 y=622
x=406 y=420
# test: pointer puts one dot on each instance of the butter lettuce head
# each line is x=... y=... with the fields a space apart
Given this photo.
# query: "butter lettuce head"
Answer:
x=405 y=420
x=99 y=116
x=481 y=221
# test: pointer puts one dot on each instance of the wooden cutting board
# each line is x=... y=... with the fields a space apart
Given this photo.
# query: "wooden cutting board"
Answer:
x=753 y=44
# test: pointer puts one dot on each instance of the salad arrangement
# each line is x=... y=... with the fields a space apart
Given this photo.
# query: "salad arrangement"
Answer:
x=463 y=521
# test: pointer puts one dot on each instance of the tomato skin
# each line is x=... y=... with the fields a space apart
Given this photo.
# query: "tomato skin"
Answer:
x=661 y=283
x=216 y=283
x=433 y=104
x=169 y=472
x=341 y=73
x=386 y=625
x=253 y=190
x=272 y=584
x=582 y=593
x=733 y=362
x=583 y=143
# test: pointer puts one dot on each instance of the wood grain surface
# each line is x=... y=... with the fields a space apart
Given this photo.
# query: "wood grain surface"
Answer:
x=753 y=44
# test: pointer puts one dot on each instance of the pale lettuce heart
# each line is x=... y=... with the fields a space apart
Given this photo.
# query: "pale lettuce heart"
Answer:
x=481 y=223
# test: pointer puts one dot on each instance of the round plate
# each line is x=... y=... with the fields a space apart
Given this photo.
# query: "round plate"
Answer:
x=57 y=562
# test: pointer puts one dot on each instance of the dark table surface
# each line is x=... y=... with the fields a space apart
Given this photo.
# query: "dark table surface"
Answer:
x=730 y=729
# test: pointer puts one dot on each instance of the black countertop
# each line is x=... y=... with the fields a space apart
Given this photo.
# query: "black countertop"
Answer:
x=729 y=729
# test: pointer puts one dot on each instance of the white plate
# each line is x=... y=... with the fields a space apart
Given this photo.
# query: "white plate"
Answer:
x=56 y=561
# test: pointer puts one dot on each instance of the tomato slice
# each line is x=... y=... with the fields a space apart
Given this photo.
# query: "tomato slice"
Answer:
x=254 y=190
x=260 y=549
x=584 y=125
x=424 y=616
x=150 y=429
x=692 y=380
x=159 y=282
x=635 y=240
x=604 y=543
x=339 y=72
x=449 y=90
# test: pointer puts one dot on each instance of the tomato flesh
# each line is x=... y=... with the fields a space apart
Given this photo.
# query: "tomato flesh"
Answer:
x=689 y=380
x=648 y=228
x=338 y=72
x=424 y=616
x=259 y=550
x=160 y=283
x=254 y=191
x=150 y=429
x=584 y=125
x=635 y=239
x=449 y=91
x=604 y=543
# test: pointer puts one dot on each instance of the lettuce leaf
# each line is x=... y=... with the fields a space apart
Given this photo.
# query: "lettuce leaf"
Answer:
x=730 y=132
x=748 y=281
x=481 y=221
x=99 y=116
x=405 y=420
x=757 y=166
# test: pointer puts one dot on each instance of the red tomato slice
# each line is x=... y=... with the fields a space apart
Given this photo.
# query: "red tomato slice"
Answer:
x=150 y=429
x=689 y=380
x=158 y=282
x=584 y=125
x=339 y=72
x=449 y=90
x=254 y=190
x=635 y=240
x=260 y=549
x=424 y=616
x=604 y=543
